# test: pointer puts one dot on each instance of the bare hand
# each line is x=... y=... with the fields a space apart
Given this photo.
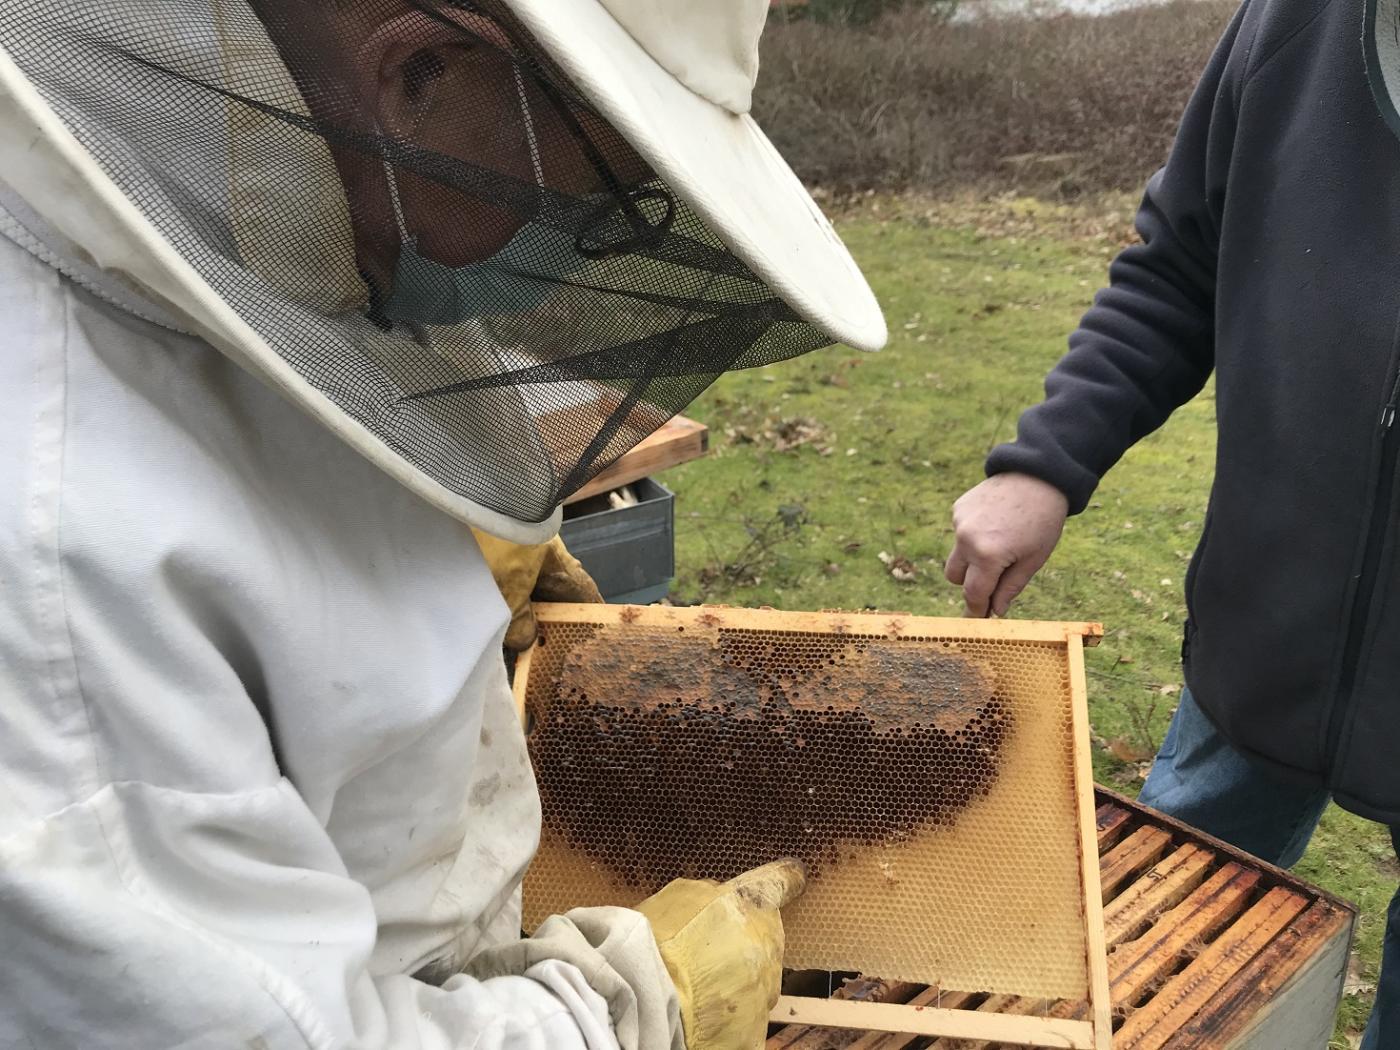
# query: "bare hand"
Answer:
x=1004 y=531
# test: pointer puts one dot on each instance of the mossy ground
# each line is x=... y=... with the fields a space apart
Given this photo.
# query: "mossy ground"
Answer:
x=822 y=464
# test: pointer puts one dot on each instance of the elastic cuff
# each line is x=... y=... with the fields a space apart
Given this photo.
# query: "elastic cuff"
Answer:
x=1074 y=481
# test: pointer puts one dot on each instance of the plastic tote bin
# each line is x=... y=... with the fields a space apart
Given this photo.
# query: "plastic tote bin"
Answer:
x=630 y=552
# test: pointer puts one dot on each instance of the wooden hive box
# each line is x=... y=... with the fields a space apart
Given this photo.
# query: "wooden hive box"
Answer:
x=1209 y=949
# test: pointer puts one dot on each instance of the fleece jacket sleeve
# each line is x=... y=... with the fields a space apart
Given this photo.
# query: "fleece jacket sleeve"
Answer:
x=1147 y=345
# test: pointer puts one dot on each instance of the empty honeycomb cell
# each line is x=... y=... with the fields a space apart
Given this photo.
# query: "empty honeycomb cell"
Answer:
x=926 y=780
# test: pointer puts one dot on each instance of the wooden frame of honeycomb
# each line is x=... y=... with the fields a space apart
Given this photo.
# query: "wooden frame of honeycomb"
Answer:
x=934 y=775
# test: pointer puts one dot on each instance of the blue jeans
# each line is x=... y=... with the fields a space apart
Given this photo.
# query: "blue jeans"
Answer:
x=1200 y=779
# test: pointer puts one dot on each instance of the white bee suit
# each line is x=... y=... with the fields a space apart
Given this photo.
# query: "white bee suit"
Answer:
x=258 y=759
x=259 y=765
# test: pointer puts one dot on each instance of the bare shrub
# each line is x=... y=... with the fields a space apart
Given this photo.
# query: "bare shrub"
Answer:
x=1060 y=104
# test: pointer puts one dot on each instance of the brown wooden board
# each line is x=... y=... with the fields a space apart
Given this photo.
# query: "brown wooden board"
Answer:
x=677 y=441
x=1209 y=949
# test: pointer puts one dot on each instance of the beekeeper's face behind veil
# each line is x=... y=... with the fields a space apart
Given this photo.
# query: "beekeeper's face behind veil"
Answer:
x=492 y=245
x=443 y=80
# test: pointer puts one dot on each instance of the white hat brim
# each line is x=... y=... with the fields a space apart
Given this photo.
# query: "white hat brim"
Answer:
x=720 y=163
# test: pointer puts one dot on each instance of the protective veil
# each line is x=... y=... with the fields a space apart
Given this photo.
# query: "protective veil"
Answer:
x=406 y=215
x=259 y=763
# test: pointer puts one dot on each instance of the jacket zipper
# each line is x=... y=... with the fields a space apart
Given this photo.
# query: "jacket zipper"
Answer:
x=1366 y=583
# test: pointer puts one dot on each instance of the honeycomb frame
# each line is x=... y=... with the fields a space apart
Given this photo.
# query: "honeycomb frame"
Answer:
x=697 y=742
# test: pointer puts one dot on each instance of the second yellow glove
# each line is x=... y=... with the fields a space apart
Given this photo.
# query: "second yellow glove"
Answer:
x=540 y=572
x=722 y=944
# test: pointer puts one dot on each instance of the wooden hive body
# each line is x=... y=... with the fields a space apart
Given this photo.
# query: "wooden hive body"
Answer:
x=933 y=774
x=1209 y=949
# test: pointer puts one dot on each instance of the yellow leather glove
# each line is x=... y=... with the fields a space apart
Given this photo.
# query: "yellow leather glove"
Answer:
x=543 y=572
x=723 y=947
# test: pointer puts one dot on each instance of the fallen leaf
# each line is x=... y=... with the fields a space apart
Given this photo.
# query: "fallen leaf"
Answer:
x=1125 y=750
x=789 y=434
x=901 y=568
x=1356 y=983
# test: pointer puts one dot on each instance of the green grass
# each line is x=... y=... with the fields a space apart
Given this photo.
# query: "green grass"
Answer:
x=979 y=305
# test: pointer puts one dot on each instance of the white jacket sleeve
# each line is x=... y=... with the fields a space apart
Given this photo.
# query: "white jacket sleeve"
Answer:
x=146 y=918
x=258 y=761
x=143 y=919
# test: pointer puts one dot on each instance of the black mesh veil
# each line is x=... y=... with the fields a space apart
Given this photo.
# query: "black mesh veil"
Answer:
x=418 y=212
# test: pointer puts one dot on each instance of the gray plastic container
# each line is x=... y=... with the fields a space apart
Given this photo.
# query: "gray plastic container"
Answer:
x=629 y=552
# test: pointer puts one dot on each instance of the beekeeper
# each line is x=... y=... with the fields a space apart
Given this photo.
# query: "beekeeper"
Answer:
x=294 y=293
